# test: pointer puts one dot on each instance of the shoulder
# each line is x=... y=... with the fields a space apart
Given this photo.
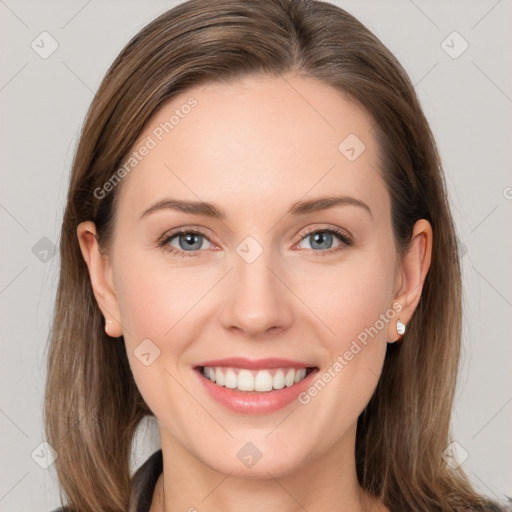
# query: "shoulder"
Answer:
x=143 y=483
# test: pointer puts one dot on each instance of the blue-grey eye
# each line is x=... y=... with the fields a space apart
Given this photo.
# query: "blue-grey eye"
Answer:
x=188 y=241
x=322 y=238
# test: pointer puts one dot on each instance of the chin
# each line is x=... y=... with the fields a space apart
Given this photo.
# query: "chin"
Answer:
x=258 y=460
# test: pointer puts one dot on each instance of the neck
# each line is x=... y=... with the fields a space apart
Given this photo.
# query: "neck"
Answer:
x=327 y=483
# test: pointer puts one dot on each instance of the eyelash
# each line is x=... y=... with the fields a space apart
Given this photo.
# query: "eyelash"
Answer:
x=164 y=242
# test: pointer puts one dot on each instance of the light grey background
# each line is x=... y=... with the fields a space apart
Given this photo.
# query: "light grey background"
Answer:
x=468 y=101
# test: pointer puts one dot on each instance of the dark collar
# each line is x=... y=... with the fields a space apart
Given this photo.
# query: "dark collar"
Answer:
x=144 y=482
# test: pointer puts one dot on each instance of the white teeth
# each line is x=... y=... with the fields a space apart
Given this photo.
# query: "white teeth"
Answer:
x=263 y=381
x=211 y=374
x=254 y=380
x=278 y=380
x=290 y=378
x=219 y=377
x=231 y=380
x=299 y=375
x=245 y=381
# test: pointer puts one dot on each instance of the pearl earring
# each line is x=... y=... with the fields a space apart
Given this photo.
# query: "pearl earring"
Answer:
x=400 y=327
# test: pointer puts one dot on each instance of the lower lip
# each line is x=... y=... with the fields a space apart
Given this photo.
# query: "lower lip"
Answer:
x=254 y=402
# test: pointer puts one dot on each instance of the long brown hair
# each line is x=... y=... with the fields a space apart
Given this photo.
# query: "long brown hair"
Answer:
x=92 y=404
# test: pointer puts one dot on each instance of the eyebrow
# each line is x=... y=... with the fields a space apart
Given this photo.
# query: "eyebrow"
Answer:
x=298 y=208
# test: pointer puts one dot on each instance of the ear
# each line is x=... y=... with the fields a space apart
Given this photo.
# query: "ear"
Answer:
x=413 y=270
x=100 y=273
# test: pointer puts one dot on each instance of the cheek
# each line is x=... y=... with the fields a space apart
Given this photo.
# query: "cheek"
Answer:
x=355 y=306
x=157 y=304
x=350 y=297
x=154 y=298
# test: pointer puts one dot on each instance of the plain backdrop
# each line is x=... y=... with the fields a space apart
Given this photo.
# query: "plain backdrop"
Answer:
x=458 y=55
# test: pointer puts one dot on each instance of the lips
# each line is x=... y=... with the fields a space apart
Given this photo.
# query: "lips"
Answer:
x=255 y=364
x=254 y=386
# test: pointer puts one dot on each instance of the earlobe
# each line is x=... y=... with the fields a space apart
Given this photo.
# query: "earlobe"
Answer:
x=414 y=268
x=100 y=274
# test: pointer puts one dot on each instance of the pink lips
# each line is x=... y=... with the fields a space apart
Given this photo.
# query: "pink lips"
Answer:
x=255 y=364
x=254 y=402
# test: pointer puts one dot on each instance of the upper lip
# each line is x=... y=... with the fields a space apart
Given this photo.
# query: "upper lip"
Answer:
x=255 y=364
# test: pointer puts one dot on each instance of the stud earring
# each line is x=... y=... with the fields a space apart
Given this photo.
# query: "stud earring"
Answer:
x=400 y=327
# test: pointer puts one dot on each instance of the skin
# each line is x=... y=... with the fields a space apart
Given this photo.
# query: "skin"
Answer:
x=253 y=148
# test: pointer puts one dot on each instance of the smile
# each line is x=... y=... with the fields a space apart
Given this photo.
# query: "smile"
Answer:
x=265 y=380
x=254 y=387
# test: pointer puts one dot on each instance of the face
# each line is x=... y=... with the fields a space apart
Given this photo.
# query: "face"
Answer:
x=315 y=286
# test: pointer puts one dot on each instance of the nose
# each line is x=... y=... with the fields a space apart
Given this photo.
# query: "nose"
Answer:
x=257 y=300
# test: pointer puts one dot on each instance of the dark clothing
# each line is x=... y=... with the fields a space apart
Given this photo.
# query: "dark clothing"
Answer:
x=145 y=478
x=144 y=482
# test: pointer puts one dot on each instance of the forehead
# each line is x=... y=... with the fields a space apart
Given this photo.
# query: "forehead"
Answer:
x=255 y=143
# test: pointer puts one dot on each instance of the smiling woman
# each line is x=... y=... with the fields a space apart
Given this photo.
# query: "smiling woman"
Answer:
x=274 y=276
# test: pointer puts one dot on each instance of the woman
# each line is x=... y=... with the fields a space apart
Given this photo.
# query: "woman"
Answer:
x=257 y=250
